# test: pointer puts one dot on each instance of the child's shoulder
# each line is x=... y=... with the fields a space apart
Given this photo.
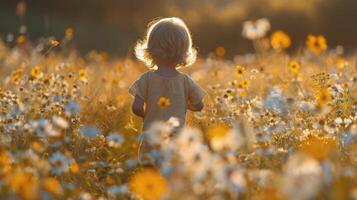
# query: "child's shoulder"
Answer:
x=146 y=74
x=151 y=73
x=187 y=77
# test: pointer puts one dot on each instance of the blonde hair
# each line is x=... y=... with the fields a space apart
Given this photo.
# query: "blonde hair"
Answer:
x=166 y=39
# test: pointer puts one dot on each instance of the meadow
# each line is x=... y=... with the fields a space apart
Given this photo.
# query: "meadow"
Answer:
x=275 y=125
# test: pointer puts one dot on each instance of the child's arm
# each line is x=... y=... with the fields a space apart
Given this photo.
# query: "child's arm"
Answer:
x=139 y=90
x=138 y=107
x=197 y=107
x=195 y=95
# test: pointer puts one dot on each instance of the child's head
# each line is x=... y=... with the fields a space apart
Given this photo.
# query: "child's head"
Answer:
x=167 y=41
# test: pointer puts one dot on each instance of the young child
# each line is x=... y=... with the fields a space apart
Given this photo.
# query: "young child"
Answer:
x=163 y=92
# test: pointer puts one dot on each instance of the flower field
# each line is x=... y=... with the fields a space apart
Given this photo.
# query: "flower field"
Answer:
x=275 y=125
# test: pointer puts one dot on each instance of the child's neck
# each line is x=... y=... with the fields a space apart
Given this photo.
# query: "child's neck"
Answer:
x=167 y=71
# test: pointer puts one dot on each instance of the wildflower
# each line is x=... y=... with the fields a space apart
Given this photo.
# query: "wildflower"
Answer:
x=322 y=79
x=69 y=32
x=82 y=74
x=52 y=186
x=302 y=177
x=239 y=71
x=103 y=56
x=275 y=101
x=280 y=40
x=120 y=99
x=24 y=184
x=35 y=72
x=5 y=161
x=54 y=43
x=163 y=102
x=43 y=128
x=197 y=162
x=22 y=29
x=115 y=140
x=220 y=51
x=90 y=131
x=148 y=184
x=318 y=148
x=158 y=133
x=60 y=122
x=173 y=121
x=222 y=138
x=9 y=37
x=323 y=96
x=115 y=190
x=36 y=145
x=349 y=137
x=217 y=131
x=294 y=66
x=74 y=168
x=60 y=163
x=244 y=83
x=72 y=108
x=189 y=137
x=316 y=44
x=118 y=68
x=255 y=29
x=243 y=93
x=238 y=181
x=16 y=75
x=21 y=40
x=341 y=63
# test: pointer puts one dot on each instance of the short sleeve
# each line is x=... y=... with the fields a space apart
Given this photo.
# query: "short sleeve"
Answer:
x=195 y=92
x=139 y=87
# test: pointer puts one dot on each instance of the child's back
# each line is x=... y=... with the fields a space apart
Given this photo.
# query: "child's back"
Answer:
x=166 y=97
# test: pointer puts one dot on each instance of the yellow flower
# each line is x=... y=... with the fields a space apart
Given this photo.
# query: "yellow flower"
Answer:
x=52 y=186
x=16 y=75
x=341 y=63
x=316 y=44
x=319 y=148
x=243 y=93
x=280 y=40
x=74 y=168
x=82 y=74
x=294 y=66
x=148 y=184
x=118 y=68
x=115 y=81
x=244 y=83
x=220 y=51
x=24 y=184
x=5 y=162
x=21 y=39
x=54 y=43
x=120 y=99
x=69 y=32
x=239 y=71
x=103 y=55
x=261 y=145
x=217 y=131
x=323 y=96
x=109 y=180
x=35 y=72
x=37 y=146
x=163 y=102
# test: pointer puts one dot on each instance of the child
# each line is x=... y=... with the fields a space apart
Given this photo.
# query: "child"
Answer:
x=165 y=91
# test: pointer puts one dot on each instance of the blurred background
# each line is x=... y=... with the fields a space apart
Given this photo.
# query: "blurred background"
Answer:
x=115 y=25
